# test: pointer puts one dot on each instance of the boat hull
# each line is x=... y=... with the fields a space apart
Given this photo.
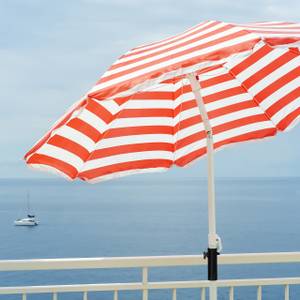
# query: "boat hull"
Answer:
x=25 y=223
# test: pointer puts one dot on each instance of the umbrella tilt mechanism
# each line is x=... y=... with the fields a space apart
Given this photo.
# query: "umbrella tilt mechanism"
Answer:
x=212 y=260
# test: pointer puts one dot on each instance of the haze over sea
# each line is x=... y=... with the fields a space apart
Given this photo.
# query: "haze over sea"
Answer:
x=137 y=217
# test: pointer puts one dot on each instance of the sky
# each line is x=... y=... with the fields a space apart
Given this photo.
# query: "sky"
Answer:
x=52 y=52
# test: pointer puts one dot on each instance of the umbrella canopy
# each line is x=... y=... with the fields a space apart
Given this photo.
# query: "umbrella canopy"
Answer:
x=142 y=115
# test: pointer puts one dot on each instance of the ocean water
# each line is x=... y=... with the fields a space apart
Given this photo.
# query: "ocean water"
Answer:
x=141 y=216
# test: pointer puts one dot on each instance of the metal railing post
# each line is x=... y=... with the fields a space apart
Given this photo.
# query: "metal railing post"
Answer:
x=145 y=283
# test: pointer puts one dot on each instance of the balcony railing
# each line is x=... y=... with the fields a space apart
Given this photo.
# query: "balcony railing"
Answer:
x=144 y=284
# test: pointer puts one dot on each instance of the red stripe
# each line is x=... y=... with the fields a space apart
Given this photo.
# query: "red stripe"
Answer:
x=85 y=128
x=216 y=80
x=152 y=95
x=231 y=108
x=239 y=123
x=136 y=130
x=257 y=134
x=146 y=112
x=60 y=165
x=42 y=141
x=208 y=69
x=187 y=123
x=185 y=160
x=198 y=136
x=162 y=43
x=179 y=54
x=131 y=148
x=252 y=59
x=182 y=90
x=286 y=122
x=268 y=69
x=121 y=64
x=268 y=25
x=284 y=101
x=279 y=32
x=185 y=106
x=279 y=83
x=234 y=91
x=173 y=80
x=127 y=84
x=100 y=111
x=69 y=145
x=127 y=166
x=273 y=41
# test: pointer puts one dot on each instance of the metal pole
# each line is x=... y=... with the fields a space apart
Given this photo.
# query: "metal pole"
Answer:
x=212 y=235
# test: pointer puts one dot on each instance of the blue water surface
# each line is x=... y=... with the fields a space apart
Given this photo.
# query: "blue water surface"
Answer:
x=148 y=216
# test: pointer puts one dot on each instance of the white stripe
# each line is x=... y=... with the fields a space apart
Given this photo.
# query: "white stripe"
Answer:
x=237 y=58
x=277 y=26
x=228 y=101
x=258 y=65
x=277 y=29
x=61 y=154
x=213 y=73
x=280 y=93
x=219 y=87
x=220 y=104
x=242 y=130
x=76 y=136
x=135 y=139
x=271 y=35
x=115 y=175
x=183 y=98
x=290 y=45
x=271 y=23
x=59 y=120
x=93 y=120
x=166 y=76
x=141 y=121
x=127 y=157
x=144 y=104
x=171 y=39
x=183 y=133
x=163 y=87
x=179 y=59
x=277 y=74
x=186 y=114
x=236 y=116
x=286 y=110
x=47 y=168
x=189 y=149
x=223 y=136
x=110 y=105
x=171 y=52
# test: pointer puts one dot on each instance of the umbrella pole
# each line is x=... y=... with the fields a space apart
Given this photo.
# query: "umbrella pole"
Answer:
x=211 y=254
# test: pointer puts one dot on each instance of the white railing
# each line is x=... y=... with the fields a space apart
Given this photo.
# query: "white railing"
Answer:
x=145 y=263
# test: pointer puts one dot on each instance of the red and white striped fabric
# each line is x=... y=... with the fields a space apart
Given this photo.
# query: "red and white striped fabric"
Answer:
x=142 y=115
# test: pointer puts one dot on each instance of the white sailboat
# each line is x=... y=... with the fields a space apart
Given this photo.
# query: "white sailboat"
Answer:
x=30 y=220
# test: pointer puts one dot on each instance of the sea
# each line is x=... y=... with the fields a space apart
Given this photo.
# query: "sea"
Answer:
x=140 y=216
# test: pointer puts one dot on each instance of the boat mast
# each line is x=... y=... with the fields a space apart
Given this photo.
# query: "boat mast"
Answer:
x=28 y=203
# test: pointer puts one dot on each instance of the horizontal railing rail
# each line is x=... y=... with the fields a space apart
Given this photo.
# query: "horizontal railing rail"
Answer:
x=145 y=263
x=133 y=286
